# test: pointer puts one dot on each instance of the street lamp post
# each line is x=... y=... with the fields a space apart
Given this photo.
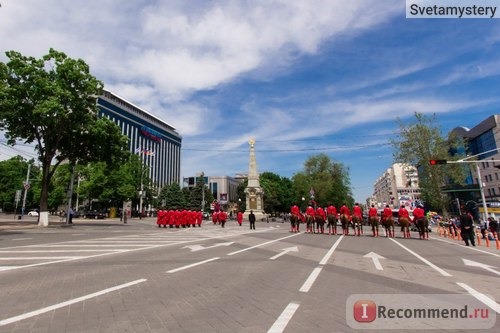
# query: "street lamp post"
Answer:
x=203 y=191
x=141 y=192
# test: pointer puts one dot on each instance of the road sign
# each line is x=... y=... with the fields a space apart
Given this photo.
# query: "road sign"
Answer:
x=27 y=186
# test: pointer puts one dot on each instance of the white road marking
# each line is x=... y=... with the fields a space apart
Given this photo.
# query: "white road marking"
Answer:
x=285 y=251
x=192 y=265
x=261 y=244
x=330 y=252
x=439 y=270
x=43 y=258
x=63 y=304
x=287 y=314
x=487 y=267
x=376 y=260
x=310 y=280
x=466 y=247
x=20 y=239
x=481 y=297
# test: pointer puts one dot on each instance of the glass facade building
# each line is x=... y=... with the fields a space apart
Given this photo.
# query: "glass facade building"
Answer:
x=156 y=142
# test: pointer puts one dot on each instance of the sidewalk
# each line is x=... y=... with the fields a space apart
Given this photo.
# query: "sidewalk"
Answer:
x=12 y=221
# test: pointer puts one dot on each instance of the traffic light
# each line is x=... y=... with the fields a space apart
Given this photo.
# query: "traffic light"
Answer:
x=435 y=162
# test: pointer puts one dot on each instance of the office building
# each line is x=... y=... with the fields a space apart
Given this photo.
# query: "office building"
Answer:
x=157 y=142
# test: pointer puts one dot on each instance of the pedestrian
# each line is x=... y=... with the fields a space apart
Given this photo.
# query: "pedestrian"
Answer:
x=222 y=218
x=71 y=213
x=493 y=226
x=484 y=227
x=240 y=217
x=467 y=228
x=251 y=219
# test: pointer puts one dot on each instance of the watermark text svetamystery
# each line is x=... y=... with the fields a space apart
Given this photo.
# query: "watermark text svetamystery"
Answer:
x=460 y=9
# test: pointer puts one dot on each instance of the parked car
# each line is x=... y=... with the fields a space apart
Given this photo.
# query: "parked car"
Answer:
x=32 y=213
x=94 y=214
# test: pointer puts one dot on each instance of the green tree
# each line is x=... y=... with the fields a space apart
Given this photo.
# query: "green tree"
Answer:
x=329 y=180
x=278 y=195
x=240 y=190
x=420 y=142
x=173 y=197
x=13 y=175
x=194 y=195
x=52 y=102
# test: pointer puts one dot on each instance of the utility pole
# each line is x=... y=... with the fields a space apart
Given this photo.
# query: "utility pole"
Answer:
x=70 y=193
x=26 y=188
x=203 y=191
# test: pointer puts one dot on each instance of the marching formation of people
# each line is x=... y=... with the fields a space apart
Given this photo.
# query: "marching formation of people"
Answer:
x=179 y=218
x=316 y=218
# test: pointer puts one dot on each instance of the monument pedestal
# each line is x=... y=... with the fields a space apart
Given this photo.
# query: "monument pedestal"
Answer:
x=259 y=215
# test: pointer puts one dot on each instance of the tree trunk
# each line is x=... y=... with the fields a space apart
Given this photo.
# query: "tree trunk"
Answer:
x=44 y=195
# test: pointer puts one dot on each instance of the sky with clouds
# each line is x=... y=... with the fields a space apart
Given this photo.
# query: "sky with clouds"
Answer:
x=301 y=77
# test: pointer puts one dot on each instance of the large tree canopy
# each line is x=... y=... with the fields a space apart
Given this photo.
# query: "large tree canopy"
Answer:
x=328 y=179
x=420 y=142
x=52 y=102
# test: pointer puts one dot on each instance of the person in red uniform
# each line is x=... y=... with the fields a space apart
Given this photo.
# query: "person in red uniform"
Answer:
x=344 y=210
x=239 y=218
x=222 y=218
x=320 y=220
x=346 y=215
x=356 y=211
x=331 y=216
x=199 y=218
x=294 y=218
x=170 y=218
x=310 y=216
x=215 y=217
x=418 y=213
x=404 y=221
x=373 y=218
x=386 y=215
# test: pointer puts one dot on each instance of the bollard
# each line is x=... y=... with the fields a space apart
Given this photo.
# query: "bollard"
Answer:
x=487 y=242
x=478 y=238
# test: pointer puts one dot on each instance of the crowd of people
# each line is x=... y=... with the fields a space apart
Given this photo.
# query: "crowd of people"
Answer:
x=179 y=218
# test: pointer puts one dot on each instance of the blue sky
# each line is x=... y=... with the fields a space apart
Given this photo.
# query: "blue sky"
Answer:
x=302 y=77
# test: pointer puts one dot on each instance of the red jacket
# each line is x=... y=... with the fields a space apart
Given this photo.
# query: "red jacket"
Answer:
x=310 y=211
x=331 y=210
x=418 y=213
x=321 y=212
x=294 y=210
x=403 y=212
x=222 y=216
x=240 y=217
x=345 y=210
x=372 y=212
x=356 y=211
x=387 y=212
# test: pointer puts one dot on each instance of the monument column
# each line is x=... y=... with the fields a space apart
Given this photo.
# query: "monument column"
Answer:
x=253 y=191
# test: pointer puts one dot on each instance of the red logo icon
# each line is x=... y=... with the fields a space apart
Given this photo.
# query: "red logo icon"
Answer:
x=364 y=311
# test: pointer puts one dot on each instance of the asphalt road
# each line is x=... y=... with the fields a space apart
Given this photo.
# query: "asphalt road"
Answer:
x=104 y=276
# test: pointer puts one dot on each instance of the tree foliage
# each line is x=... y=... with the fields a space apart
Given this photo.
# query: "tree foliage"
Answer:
x=329 y=180
x=278 y=195
x=52 y=102
x=13 y=175
x=172 y=197
x=420 y=142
